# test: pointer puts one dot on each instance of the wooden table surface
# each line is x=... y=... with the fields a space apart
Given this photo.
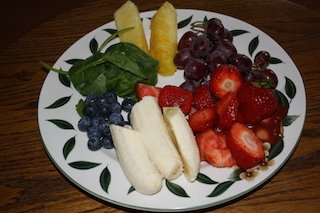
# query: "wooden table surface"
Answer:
x=36 y=30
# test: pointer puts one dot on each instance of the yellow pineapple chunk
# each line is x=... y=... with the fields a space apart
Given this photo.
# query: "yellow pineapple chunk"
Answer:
x=163 y=40
x=128 y=16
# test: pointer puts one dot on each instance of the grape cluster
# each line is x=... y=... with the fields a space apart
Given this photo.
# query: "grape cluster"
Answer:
x=99 y=112
x=201 y=52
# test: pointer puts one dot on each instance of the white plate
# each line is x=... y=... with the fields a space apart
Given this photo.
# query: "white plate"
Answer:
x=100 y=174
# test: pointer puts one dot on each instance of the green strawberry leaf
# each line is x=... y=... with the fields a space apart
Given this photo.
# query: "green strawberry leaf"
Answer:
x=238 y=32
x=176 y=189
x=184 y=22
x=276 y=149
x=202 y=178
x=221 y=188
x=83 y=165
x=58 y=103
x=105 y=179
x=274 y=60
x=290 y=88
x=93 y=46
x=253 y=45
x=61 y=123
x=131 y=189
x=68 y=147
x=289 y=119
x=64 y=80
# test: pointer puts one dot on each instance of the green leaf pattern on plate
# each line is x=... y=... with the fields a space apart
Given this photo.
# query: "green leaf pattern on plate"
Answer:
x=219 y=187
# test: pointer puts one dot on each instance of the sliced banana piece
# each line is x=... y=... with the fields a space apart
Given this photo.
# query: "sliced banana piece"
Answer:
x=134 y=160
x=184 y=140
x=146 y=117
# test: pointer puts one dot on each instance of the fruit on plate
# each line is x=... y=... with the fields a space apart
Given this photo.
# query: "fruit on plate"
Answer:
x=174 y=96
x=228 y=111
x=256 y=103
x=146 y=117
x=134 y=160
x=163 y=40
x=245 y=147
x=184 y=140
x=213 y=149
x=203 y=119
x=128 y=16
x=142 y=90
x=225 y=78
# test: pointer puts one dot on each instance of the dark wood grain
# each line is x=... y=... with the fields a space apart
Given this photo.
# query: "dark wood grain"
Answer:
x=42 y=30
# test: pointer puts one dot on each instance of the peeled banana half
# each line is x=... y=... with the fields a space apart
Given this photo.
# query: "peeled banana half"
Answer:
x=184 y=141
x=146 y=117
x=134 y=160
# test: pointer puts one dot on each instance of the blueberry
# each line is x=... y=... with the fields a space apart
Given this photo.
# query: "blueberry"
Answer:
x=91 y=99
x=107 y=142
x=91 y=110
x=115 y=107
x=105 y=109
x=127 y=104
x=93 y=132
x=104 y=128
x=111 y=97
x=94 y=144
x=84 y=123
x=116 y=118
x=103 y=100
x=95 y=121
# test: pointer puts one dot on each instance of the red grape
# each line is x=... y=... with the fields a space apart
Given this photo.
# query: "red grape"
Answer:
x=186 y=40
x=182 y=57
x=195 y=69
x=215 y=29
x=201 y=46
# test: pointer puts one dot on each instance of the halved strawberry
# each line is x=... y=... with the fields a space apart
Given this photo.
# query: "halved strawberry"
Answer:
x=228 y=111
x=202 y=97
x=213 y=149
x=245 y=147
x=256 y=103
x=173 y=96
x=224 y=79
x=203 y=119
x=146 y=90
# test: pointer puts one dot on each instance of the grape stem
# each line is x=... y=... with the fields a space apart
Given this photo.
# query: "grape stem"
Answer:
x=199 y=26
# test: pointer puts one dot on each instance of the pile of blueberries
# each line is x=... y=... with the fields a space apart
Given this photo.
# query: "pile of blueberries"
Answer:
x=99 y=112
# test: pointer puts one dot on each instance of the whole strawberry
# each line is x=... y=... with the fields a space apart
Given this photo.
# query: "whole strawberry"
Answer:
x=173 y=96
x=202 y=97
x=256 y=103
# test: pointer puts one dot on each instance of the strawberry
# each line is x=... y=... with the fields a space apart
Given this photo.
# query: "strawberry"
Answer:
x=213 y=149
x=256 y=103
x=270 y=129
x=245 y=147
x=173 y=96
x=225 y=78
x=202 y=97
x=146 y=90
x=228 y=111
x=203 y=119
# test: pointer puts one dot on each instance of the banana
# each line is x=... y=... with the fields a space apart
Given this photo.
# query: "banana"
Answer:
x=146 y=117
x=134 y=160
x=185 y=141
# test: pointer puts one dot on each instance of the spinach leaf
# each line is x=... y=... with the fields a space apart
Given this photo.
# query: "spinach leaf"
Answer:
x=119 y=69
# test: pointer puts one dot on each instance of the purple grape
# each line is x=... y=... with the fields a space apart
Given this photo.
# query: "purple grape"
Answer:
x=215 y=59
x=196 y=69
x=226 y=48
x=201 y=46
x=241 y=61
x=215 y=29
x=262 y=59
x=186 y=40
x=182 y=57
x=189 y=85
